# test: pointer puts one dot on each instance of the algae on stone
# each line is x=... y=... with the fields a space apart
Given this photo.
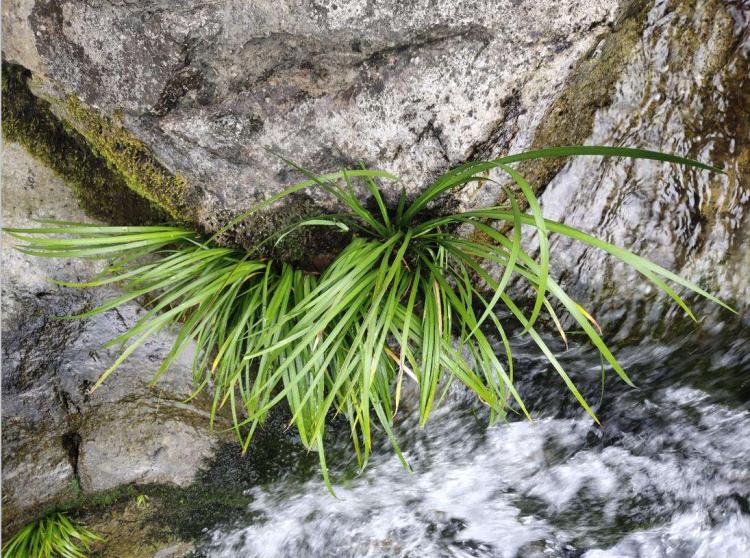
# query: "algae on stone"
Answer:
x=133 y=160
x=101 y=191
x=570 y=118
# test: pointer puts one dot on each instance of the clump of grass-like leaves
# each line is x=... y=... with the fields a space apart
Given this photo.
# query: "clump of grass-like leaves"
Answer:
x=400 y=303
x=53 y=536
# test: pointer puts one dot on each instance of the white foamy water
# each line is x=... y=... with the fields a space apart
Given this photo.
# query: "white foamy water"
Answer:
x=680 y=488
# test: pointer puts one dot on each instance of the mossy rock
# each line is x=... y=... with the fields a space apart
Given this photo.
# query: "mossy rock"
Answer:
x=142 y=172
x=590 y=87
x=103 y=193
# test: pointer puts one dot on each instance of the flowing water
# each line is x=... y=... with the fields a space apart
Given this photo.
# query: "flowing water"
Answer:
x=668 y=474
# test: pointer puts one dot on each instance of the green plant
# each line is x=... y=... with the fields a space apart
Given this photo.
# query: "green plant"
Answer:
x=142 y=501
x=402 y=300
x=52 y=536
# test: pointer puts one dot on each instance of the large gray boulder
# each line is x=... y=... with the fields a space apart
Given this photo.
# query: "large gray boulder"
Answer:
x=205 y=87
x=58 y=440
x=182 y=97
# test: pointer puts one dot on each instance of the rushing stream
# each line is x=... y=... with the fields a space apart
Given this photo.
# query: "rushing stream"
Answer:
x=668 y=475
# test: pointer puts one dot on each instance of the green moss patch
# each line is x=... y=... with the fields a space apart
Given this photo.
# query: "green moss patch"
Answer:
x=102 y=192
x=570 y=119
x=133 y=160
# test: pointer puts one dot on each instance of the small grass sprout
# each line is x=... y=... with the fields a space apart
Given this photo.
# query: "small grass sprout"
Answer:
x=142 y=501
x=53 y=536
x=401 y=303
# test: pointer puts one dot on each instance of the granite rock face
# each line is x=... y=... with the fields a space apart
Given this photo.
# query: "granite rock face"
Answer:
x=413 y=87
x=58 y=439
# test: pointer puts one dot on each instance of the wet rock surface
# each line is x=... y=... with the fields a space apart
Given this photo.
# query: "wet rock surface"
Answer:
x=200 y=87
x=58 y=439
x=686 y=89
